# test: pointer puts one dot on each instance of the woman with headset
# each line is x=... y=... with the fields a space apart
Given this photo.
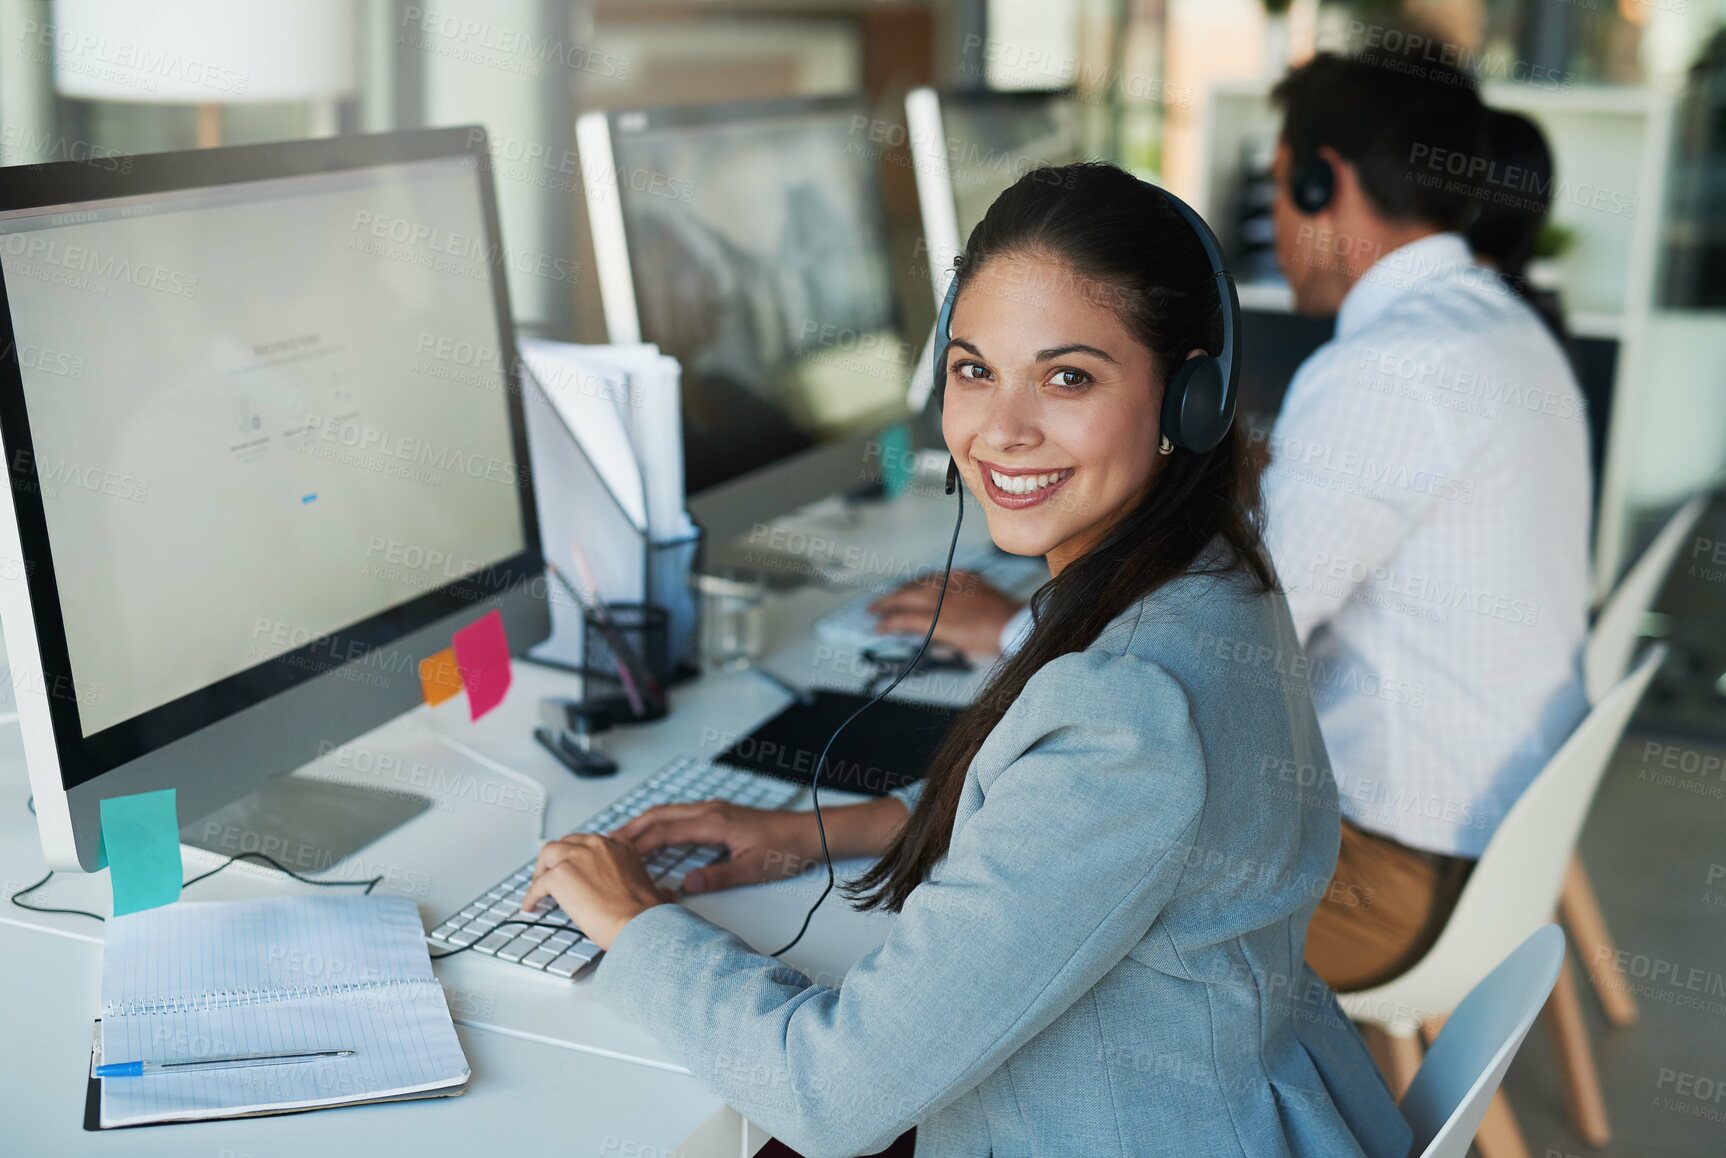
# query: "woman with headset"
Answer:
x=1103 y=883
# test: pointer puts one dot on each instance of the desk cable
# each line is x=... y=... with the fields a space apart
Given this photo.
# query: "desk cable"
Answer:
x=17 y=897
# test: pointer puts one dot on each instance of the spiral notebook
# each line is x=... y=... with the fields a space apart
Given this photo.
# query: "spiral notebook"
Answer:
x=193 y=981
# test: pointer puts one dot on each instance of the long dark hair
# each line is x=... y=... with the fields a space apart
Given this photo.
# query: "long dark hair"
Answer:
x=1117 y=240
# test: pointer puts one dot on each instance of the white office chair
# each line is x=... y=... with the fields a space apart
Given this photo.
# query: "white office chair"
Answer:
x=1513 y=891
x=1605 y=659
x=1616 y=629
x=1449 y=1095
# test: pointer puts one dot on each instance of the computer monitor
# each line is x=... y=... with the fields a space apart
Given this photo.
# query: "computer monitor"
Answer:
x=749 y=241
x=969 y=146
x=266 y=453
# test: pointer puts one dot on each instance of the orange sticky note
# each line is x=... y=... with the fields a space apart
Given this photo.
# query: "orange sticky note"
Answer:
x=482 y=652
x=440 y=678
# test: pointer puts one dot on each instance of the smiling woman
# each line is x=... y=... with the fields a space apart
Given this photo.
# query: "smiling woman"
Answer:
x=1074 y=302
x=1101 y=902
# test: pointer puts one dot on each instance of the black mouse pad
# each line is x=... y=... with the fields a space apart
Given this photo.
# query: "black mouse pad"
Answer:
x=888 y=747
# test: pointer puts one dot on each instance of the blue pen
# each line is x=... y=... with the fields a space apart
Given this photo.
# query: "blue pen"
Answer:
x=137 y=1069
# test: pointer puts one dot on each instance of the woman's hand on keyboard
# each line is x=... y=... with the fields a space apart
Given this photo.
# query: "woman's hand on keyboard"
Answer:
x=598 y=881
x=762 y=845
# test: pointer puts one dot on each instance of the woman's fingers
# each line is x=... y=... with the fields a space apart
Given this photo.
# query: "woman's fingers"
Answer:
x=654 y=815
x=682 y=830
x=726 y=874
x=904 y=622
x=910 y=596
x=554 y=853
x=557 y=852
x=704 y=823
x=537 y=891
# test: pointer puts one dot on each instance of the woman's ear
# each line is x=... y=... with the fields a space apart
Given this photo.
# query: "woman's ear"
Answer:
x=1196 y=352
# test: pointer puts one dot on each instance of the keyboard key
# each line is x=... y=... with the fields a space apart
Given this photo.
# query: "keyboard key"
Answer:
x=584 y=949
x=515 y=950
x=566 y=965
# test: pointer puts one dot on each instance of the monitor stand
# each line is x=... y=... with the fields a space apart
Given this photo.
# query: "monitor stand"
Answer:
x=304 y=824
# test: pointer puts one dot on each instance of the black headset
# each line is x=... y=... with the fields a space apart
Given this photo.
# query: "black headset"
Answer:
x=1312 y=183
x=1199 y=400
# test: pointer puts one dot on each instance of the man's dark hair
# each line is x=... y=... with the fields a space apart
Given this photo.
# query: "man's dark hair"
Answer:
x=1411 y=127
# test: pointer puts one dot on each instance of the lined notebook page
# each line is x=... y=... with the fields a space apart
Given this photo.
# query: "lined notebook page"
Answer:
x=192 y=950
x=214 y=979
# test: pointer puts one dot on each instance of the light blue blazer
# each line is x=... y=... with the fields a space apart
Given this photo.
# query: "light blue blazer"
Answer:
x=1108 y=960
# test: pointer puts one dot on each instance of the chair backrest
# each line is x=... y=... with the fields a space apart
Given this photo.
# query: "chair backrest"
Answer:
x=1514 y=887
x=1613 y=639
x=1462 y=1070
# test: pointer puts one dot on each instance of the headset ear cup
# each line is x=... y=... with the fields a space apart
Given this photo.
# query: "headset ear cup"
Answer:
x=1195 y=411
x=1312 y=185
x=1174 y=403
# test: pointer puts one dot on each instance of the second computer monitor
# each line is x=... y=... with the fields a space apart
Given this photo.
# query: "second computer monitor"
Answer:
x=749 y=241
x=969 y=147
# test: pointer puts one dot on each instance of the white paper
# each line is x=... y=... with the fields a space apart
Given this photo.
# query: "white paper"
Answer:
x=655 y=421
x=592 y=396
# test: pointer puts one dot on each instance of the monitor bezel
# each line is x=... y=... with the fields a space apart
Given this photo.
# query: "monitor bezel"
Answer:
x=83 y=759
x=926 y=110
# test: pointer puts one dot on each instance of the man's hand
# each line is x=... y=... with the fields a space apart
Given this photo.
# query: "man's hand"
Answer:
x=972 y=617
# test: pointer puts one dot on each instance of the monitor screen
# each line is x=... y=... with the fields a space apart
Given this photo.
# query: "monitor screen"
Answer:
x=261 y=413
x=759 y=257
x=993 y=139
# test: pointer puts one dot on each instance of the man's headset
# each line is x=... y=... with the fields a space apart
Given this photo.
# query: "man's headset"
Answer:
x=1312 y=183
x=1198 y=408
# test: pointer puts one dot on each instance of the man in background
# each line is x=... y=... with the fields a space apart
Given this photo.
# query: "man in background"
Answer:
x=1427 y=499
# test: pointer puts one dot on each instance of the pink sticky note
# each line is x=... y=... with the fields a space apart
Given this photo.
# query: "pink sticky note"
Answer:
x=482 y=655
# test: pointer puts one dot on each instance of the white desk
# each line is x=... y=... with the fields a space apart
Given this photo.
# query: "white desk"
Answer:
x=551 y=1066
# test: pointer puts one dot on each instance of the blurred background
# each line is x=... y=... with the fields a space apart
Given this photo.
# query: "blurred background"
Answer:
x=1630 y=93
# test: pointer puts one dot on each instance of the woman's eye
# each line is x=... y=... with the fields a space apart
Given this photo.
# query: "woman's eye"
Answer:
x=1071 y=379
x=970 y=370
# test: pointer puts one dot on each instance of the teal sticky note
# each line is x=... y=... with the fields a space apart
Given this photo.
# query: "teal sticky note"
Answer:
x=898 y=460
x=141 y=843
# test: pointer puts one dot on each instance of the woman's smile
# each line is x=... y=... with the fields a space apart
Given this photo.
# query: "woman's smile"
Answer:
x=1018 y=487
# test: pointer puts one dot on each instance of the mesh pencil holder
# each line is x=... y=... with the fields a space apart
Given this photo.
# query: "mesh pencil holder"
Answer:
x=643 y=628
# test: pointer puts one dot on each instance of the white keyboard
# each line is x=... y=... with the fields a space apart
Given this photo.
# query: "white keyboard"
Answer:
x=850 y=624
x=562 y=952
